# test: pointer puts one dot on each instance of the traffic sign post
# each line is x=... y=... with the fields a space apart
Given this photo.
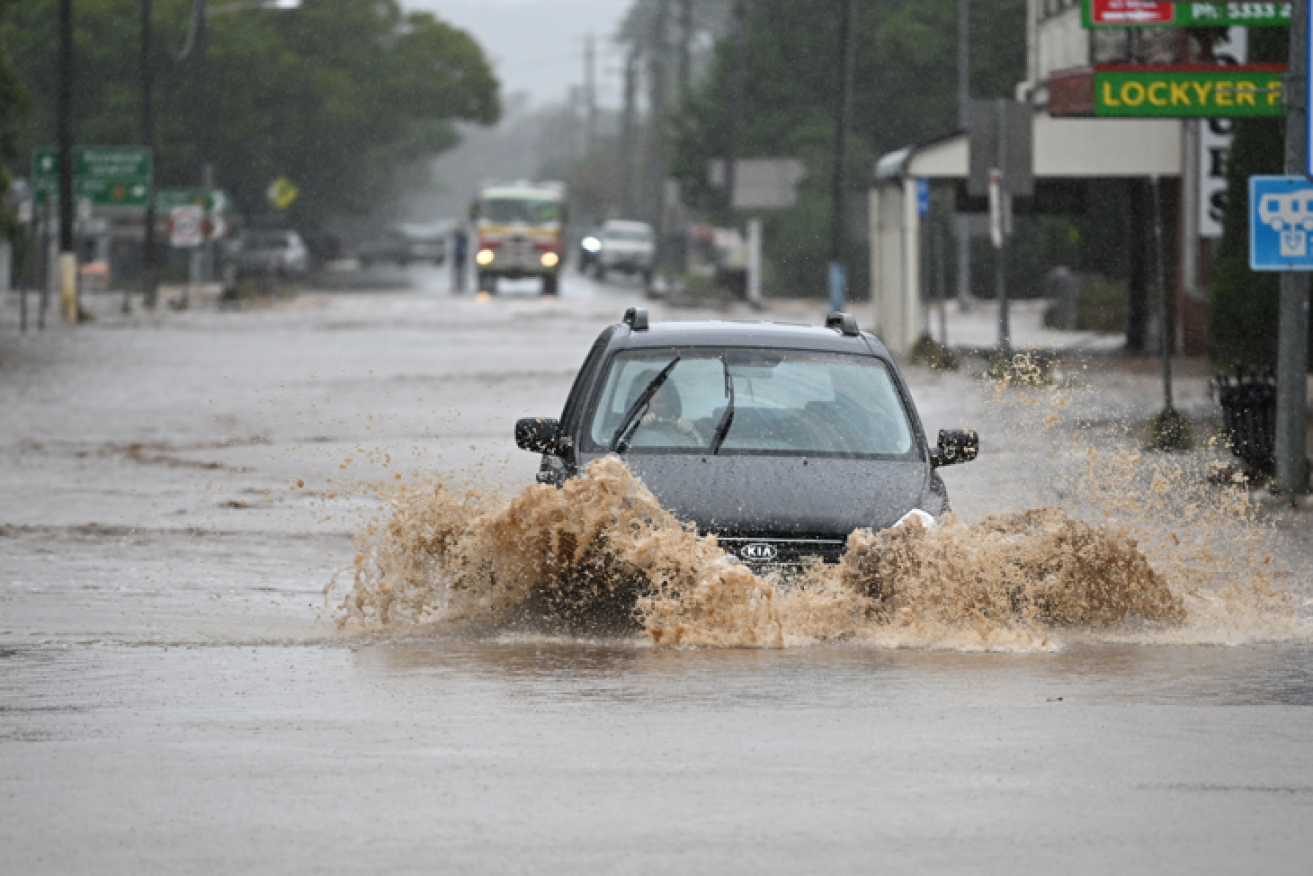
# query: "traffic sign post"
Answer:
x=1286 y=213
x=211 y=201
x=107 y=176
x=186 y=226
x=1001 y=164
x=281 y=193
x=1305 y=53
x=1280 y=223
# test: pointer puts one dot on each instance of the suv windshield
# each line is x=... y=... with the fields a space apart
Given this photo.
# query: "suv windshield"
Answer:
x=786 y=403
x=531 y=211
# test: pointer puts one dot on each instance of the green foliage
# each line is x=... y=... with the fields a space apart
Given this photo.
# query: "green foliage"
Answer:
x=333 y=96
x=1102 y=307
x=14 y=106
x=904 y=91
x=929 y=353
x=1244 y=313
x=1168 y=431
x=1245 y=304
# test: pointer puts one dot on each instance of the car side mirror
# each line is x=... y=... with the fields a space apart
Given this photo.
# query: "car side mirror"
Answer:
x=540 y=435
x=955 y=446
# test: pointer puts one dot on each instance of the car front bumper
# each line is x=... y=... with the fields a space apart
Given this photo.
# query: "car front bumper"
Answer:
x=771 y=552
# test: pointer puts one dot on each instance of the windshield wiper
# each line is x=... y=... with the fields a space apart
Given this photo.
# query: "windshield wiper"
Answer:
x=620 y=440
x=727 y=418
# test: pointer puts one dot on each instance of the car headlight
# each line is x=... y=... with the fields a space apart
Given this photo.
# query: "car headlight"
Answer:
x=592 y=244
x=925 y=518
x=550 y=259
x=484 y=257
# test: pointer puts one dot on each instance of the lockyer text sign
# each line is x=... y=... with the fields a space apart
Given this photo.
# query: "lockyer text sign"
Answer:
x=1099 y=14
x=1200 y=92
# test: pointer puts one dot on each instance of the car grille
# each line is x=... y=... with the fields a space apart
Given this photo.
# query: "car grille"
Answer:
x=783 y=551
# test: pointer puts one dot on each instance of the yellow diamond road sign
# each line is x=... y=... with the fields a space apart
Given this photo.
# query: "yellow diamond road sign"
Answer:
x=282 y=193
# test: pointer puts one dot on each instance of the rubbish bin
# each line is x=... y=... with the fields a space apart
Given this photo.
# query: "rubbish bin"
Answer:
x=1249 y=417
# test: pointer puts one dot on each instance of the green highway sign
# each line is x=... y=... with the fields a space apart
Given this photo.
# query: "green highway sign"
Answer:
x=1099 y=14
x=108 y=176
x=211 y=200
x=1189 y=91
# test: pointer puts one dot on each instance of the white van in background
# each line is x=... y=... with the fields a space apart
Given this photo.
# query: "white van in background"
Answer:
x=626 y=247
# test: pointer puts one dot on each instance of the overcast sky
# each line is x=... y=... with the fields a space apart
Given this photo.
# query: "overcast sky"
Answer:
x=537 y=46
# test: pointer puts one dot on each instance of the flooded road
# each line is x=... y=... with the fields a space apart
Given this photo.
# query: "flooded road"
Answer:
x=177 y=489
x=559 y=758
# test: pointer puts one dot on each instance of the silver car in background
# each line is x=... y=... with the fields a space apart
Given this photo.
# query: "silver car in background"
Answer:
x=272 y=252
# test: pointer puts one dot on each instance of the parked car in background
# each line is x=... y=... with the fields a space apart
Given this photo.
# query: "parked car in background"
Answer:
x=392 y=246
x=626 y=247
x=325 y=246
x=271 y=252
x=427 y=243
x=403 y=245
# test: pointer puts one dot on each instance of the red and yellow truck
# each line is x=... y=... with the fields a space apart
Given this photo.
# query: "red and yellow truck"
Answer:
x=520 y=230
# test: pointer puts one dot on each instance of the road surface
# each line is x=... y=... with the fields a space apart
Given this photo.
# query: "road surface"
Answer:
x=178 y=488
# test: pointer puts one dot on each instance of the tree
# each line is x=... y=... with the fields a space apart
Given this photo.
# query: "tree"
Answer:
x=904 y=92
x=14 y=106
x=1244 y=312
x=333 y=96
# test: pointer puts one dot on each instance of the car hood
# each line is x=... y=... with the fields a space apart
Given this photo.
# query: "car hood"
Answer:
x=764 y=496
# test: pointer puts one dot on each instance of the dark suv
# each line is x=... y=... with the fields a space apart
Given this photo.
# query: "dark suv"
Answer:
x=778 y=439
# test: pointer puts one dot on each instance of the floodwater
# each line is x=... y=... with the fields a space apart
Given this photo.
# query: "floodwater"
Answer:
x=179 y=694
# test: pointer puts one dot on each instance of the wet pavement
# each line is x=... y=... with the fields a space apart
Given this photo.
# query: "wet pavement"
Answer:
x=177 y=488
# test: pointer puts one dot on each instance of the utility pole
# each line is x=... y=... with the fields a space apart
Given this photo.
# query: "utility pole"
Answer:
x=654 y=190
x=590 y=97
x=964 y=122
x=842 y=120
x=200 y=95
x=739 y=35
x=148 y=139
x=685 y=48
x=68 y=264
x=1292 y=353
x=627 y=135
x=964 y=64
x=1164 y=322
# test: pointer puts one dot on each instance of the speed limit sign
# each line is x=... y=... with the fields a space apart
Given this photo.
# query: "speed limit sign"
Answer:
x=187 y=226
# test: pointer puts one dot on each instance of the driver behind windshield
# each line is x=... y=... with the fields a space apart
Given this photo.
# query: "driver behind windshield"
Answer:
x=663 y=425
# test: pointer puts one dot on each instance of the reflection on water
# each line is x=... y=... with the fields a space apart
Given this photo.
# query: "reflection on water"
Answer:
x=834 y=676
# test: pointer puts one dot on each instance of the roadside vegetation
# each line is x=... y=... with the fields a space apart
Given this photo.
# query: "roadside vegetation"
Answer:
x=335 y=96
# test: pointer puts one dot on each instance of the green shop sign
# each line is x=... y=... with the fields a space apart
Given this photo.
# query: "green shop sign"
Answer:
x=1207 y=92
x=1100 y=14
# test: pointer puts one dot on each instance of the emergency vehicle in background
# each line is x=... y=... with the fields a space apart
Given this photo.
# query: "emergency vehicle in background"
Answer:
x=520 y=232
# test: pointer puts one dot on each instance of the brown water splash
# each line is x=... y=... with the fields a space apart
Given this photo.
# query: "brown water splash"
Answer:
x=601 y=547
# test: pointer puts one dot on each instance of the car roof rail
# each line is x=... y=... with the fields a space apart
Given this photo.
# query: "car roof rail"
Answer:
x=845 y=323
x=636 y=319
